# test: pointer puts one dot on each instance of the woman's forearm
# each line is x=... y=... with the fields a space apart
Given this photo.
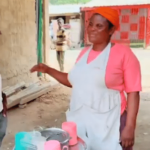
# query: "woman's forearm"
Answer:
x=59 y=76
x=133 y=100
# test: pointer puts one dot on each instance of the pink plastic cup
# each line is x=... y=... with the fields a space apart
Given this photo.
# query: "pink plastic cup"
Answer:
x=71 y=128
x=54 y=145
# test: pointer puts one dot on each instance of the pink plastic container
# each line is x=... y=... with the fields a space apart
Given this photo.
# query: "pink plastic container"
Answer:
x=71 y=128
x=54 y=145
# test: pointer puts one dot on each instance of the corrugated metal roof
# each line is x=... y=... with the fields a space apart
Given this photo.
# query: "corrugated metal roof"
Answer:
x=115 y=2
x=64 y=9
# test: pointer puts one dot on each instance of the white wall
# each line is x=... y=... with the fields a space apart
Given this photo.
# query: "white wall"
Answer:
x=75 y=32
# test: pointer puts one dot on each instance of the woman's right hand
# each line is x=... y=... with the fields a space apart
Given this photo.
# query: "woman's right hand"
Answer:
x=39 y=68
x=61 y=77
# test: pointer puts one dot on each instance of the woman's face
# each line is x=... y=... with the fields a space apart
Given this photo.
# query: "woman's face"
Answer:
x=98 y=29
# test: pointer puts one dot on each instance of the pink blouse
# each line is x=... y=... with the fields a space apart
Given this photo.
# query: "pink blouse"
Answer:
x=123 y=71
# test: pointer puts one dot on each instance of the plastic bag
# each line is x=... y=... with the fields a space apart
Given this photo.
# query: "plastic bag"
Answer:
x=29 y=141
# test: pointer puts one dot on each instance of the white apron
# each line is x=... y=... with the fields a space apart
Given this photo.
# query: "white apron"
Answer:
x=95 y=108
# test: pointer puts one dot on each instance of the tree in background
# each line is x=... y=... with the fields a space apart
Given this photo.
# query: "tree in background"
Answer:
x=57 y=2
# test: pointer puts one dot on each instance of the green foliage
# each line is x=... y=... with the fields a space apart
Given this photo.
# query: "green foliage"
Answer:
x=58 y=2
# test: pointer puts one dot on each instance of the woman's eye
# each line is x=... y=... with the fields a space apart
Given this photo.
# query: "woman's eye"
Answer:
x=99 y=26
x=90 y=24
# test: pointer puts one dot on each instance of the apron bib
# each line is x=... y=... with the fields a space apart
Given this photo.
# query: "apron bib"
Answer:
x=95 y=108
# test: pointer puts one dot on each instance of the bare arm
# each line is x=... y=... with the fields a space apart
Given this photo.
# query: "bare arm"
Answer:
x=133 y=100
x=59 y=76
x=128 y=133
x=68 y=39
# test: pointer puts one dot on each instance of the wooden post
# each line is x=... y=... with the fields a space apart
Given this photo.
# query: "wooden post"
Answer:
x=46 y=38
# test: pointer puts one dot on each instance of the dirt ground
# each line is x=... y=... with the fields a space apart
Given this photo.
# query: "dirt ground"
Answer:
x=49 y=111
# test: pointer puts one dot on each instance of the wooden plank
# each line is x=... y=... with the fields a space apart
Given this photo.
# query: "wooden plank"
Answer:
x=15 y=99
x=5 y=88
x=36 y=95
x=13 y=89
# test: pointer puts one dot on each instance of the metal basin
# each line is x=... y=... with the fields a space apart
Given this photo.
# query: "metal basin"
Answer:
x=56 y=134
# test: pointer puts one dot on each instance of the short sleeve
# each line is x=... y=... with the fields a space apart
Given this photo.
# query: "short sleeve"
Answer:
x=132 y=72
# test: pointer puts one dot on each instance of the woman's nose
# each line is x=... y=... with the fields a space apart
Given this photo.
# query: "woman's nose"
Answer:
x=93 y=28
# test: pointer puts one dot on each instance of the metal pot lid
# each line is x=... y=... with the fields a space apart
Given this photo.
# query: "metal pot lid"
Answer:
x=55 y=134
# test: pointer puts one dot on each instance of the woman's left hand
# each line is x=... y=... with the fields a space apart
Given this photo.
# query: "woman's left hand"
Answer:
x=127 y=137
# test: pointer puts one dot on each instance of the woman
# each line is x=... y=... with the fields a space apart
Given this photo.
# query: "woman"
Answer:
x=99 y=79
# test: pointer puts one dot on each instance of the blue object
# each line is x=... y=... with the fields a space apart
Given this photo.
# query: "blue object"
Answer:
x=19 y=137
